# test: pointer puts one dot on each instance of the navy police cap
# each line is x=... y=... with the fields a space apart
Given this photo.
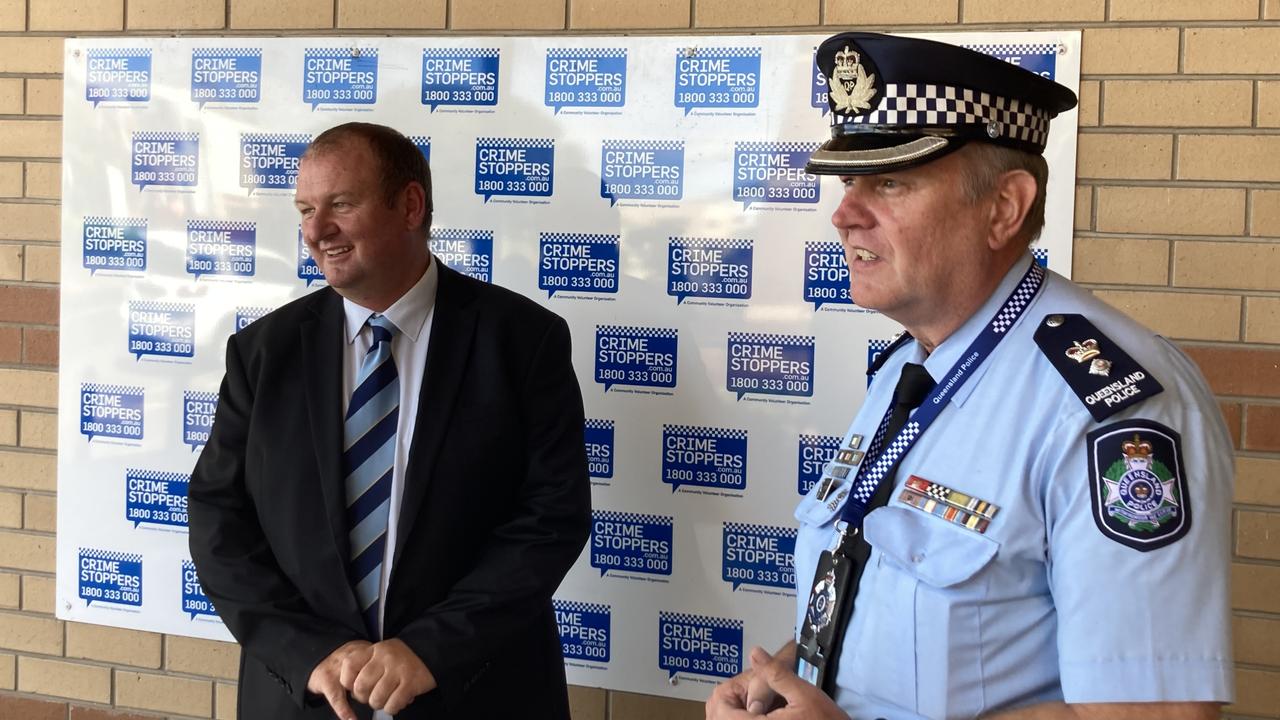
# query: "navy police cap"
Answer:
x=898 y=102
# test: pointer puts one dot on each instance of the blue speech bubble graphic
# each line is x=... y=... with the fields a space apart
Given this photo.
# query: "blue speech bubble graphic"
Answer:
x=813 y=452
x=826 y=274
x=110 y=577
x=117 y=75
x=169 y=159
x=118 y=244
x=226 y=75
x=704 y=457
x=641 y=169
x=709 y=268
x=470 y=252
x=515 y=166
x=270 y=160
x=1038 y=58
x=598 y=438
x=640 y=356
x=578 y=262
x=162 y=329
x=631 y=542
x=194 y=601
x=308 y=270
x=773 y=172
x=699 y=644
x=762 y=555
x=717 y=77
x=460 y=76
x=339 y=76
x=770 y=364
x=114 y=411
x=585 y=77
x=155 y=497
x=584 y=630
x=198 y=409
x=226 y=248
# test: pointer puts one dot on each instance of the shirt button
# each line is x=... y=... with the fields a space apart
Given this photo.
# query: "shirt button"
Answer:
x=917 y=558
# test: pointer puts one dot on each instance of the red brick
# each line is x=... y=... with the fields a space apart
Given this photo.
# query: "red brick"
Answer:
x=40 y=346
x=1231 y=412
x=27 y=709
x=1251 y=372
x=10 y=344
x=29 y=304
x=84 y=713
x=1262 y=428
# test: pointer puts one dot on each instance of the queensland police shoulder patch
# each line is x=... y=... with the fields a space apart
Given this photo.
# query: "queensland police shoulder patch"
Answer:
x=1101 y=374
x=1138 y=485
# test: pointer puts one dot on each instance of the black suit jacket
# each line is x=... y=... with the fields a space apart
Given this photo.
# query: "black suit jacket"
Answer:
x=496 y=506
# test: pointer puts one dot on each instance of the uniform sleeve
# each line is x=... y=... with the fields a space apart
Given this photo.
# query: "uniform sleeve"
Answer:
x=1138 y=528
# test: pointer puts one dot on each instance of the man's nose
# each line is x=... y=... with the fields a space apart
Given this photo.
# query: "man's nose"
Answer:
x=852 y=212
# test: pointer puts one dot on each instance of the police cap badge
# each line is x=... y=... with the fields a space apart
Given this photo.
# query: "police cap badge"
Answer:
x=898 y=102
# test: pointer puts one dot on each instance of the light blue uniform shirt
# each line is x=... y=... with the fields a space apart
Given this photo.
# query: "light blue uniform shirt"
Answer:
x=953 y=623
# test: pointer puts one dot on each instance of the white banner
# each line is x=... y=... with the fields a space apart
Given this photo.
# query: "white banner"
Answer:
x=649 y=189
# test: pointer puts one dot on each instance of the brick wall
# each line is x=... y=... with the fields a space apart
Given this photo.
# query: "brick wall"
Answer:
x=1177 y=222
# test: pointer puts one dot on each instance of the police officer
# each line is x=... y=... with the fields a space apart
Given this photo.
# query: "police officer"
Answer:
x=1029 y=516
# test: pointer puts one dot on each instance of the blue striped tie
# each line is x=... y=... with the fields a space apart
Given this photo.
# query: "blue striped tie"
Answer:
x=367 y=462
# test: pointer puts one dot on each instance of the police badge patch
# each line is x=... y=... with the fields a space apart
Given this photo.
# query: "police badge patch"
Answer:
x=1138 y=485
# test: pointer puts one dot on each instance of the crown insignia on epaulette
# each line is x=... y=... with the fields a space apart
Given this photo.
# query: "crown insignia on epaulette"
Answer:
x=851 y=87
x=1082 y=351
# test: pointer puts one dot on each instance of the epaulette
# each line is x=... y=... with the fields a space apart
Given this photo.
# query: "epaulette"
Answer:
x=899 y=340
x=1100 y=373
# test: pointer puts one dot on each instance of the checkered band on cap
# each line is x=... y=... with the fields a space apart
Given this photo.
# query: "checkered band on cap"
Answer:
x=460 y=234
x=586 y=52
x=705 y=432
x=704 y=620
x=924 y=105
x=768 y=530
x=629 y=517
x=578 y=238
x=636 y=331
x=582 y=607
x=770 y=339
x=104 y=389
x=115 y=221
x=160 y=475
x=712 y=243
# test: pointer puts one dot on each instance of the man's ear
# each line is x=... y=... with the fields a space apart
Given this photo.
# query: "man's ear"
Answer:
x=1014 y=194
x=415 y=206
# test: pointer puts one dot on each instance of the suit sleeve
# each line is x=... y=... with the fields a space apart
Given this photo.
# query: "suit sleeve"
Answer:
x=239 y=572
x=527 y=555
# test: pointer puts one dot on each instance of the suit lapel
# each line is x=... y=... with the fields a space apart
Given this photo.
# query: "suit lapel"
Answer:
x=452 y=328
x=322 y=345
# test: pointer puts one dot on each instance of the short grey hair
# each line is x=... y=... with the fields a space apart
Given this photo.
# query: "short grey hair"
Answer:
x=987 y=162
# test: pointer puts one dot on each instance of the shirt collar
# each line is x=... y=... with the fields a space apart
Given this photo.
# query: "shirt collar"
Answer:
x=409 y=314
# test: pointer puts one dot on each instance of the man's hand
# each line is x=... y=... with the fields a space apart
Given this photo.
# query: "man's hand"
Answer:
x=801 y=700
x=388 y=678
x=326 y=678
x=748 y=693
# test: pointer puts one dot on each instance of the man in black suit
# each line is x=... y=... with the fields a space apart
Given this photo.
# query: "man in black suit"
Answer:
x=353 y=589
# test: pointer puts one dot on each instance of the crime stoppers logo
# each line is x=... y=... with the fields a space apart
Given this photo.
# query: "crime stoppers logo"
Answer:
x=117 y=244
x=308 y=270
x=631 y=542
x=577 y=262
x=826 y=274
x=704 y=457
x=762 y=555
x=1039 y=58
x=155 y=497
x=598 y=437
x=117 y=75
x=226 y=75
x=637 y=356
x=198 y=409
x=246 y=315
x=819 y=88
x=770 y=364
x=470 y=252
x=167 y=159
x=111 y=411
x=110 y=577
x=194 y=602
x=270 y=160
x=715 y=78
x=699 y=645
x=812 y=455
x=641 y=170
x=165 y=330
x=773 y=172
x=515 y=166
x=459 y=77
x=222 y=248
x=339 y=76
x=586 y=78
x=584 y=630
x=709 y=268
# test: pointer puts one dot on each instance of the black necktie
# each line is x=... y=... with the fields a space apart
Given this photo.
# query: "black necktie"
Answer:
x=913 y=386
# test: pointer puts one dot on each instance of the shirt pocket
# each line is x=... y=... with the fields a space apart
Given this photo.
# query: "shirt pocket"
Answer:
x=926 y=612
